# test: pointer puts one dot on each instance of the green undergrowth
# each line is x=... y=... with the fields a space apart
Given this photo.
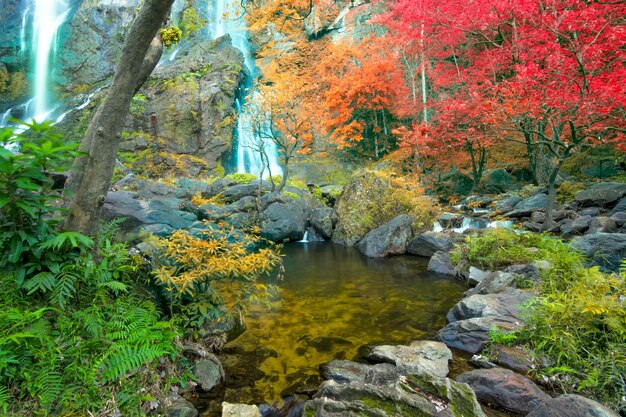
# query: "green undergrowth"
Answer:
x=578 y=320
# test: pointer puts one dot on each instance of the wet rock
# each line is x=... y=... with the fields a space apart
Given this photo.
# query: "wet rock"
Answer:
x=513 y=358
x=239 y=191
x=503 y=307
x=419 y=357
x=471 y=335
x=388 y=239
x=529 y=205
x=619 y=218
x=476 y=275
x=508 y=203
x=450 y=220
x=179 y=407
x=528 y=272
x=313 y=235
x=426 y=244
x=577 y=226
x=603 y=194
x=620 y=206
x=505 y=389
x=324 y=219
x=208 y=372
x=441 y=263
x=240 y=410
x=590 y=211
x=284 y=221
x=538 y=216
x=604 y=249
x=532 y=226
x=571 y=406
x=410 y=396
x=347 y=371
x=494 y=282
x=602 y=224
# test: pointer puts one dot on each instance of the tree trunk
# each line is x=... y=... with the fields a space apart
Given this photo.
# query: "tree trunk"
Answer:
x=91 y=174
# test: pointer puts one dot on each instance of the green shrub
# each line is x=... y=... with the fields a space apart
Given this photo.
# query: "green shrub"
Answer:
x=242 y=177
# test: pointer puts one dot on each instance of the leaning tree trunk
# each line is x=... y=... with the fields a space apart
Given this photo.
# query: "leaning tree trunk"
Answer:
x=91 y=174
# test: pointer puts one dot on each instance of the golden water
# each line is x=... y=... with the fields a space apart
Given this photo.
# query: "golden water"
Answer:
x=333 y=303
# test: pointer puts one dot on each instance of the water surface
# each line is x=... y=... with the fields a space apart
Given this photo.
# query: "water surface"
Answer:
x=333 y=303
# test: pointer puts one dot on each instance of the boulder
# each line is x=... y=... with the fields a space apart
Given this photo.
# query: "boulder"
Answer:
x=505 y=389
x=513 y=358
x=284 y=220
x=419 y=357
x=529 y=205
x=602 y=224
x=505 y=307
x=531 y=273
x=450 y=220
x=476 y=275
x=620 y=206
x=507 y=204
x=494 y=282
x=441 y=263
x=347 y=371
x=388 y=239
x=571 y=405
x=590 y=211
x=323 y=219
x=619 y=218
x=208 y=372
x=426 y=244
x=577 y=226
x=408 y=396
x=179 y=407
x=604 y=249
x=471 y=335
x=240 y=410
x=239 y=191
x=498 y=181
x=603 y=194
x=311 y=234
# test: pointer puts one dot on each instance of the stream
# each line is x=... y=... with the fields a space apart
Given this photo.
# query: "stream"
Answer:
x=333 y=304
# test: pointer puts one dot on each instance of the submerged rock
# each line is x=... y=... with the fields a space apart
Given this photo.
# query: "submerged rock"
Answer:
x=441 y=263
x=240 y=410
x=505 y=389
x=177 y=406
x=388 y=239
x=208 y=372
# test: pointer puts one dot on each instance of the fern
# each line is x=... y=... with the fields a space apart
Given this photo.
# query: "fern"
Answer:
x=74 y=239
x=49 y=384
x=127 y=359
x=4 y=398
x=64 y=289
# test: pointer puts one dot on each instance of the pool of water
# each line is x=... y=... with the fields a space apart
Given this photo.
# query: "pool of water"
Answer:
x=333 y=304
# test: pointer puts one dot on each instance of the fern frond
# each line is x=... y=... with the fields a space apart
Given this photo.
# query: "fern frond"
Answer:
x=68 y=239
x=127 y=359
x=64 y=289
x=4 y=399
x=49 y=384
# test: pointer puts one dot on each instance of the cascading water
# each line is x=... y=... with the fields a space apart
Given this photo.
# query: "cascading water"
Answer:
x=49 y=15
x=45 y=18
x=248 y=159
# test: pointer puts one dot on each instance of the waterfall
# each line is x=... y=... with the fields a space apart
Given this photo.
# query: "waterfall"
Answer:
x=48 y=17
x=224 y=20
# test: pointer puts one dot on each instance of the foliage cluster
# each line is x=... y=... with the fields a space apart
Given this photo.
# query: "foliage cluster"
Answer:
x=213 y=275
x=242 y=177
x=170 y=35
x=578 y=321
x=13 y=84
x=191 y=22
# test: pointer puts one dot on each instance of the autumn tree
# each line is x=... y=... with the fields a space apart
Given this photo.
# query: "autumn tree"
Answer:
x=91 y=173
x=279 y=114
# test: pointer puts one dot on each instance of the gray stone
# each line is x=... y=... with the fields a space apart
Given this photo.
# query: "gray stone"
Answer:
x=426 y=244
x=602 y=224
x=532 y=226
x=471 y=335
x=240 y=410
x=505 y=389
x=513 y=358
x=239 y=191
x=620 y=206
x=538 y=216
x=476 y=275
x=494 y=282
x=410 y=396
x=529 y=205
x=348 y=371
x=419 y=357
x=604 y=249
x=324 y=219
x=177 y=406
x=590 y=211
x=505 y=307
x=603 y=194
x=508 y=203
x=498 y=181
x=208 y=372
x=388 y=239
x=577 y=226
x=450 y=220
x=619 y=218
x=530 y=272
x=441 y=263
x=284 y=221
x=571 y=405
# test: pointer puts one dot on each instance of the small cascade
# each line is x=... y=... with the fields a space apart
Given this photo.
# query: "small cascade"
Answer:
x=48 y=17
x=25 y=14
x=305 y=238
x=476 y=223
x=225 y=18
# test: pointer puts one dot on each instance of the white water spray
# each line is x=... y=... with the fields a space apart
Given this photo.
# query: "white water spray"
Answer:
x=228 y=20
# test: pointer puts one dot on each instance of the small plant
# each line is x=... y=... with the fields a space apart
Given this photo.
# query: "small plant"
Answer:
x=242 y=177
x=171 y=35
x=292 y=195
